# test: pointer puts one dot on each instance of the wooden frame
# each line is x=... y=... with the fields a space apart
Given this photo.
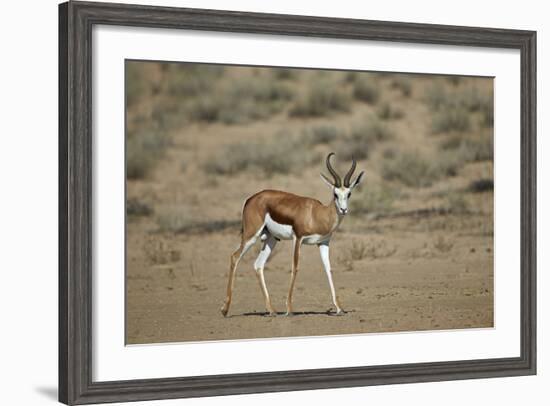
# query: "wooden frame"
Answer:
x=76 y=20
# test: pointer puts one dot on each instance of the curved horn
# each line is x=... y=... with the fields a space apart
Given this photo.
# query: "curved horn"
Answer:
x=347 y=178
x=337 y=179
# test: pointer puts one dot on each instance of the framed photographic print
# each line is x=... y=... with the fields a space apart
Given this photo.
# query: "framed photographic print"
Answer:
x=258 y=202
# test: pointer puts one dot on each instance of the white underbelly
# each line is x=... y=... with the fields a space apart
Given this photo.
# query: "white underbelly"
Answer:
x=278 y=230
x=285 y=232
x=315 y=239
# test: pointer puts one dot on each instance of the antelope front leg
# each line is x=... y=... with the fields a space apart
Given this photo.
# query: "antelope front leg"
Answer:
x=324 y=251
x=295 y=259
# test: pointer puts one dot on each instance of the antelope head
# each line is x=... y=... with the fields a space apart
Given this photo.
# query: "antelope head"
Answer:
x=341 y=191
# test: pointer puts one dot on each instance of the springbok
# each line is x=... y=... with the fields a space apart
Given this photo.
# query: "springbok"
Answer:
x=272 y=215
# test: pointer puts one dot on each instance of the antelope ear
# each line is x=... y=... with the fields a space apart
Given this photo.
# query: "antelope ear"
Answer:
x=357 y=180
x=327 y=181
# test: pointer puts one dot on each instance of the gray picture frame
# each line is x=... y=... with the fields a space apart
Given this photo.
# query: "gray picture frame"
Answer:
x=76 y=20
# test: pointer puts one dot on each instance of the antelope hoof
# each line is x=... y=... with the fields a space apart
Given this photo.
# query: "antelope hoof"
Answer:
x=289 y=313
x=272 y=313
x=340 y=312
x=224 y=310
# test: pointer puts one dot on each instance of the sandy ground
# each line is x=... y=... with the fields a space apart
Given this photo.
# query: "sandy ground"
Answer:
x=423 y=271
x=416 y=288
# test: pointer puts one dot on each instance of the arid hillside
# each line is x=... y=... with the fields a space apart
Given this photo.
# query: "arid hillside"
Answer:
x=414 y=253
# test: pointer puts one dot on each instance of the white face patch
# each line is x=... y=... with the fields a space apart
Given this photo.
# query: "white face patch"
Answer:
x=341 y=197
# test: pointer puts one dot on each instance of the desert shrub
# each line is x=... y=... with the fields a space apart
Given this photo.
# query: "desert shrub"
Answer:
x=350 y=76
x=373 y=130
x=363 y=138
x=451 y=143
x=354 y=147
x=189 y=80
x=435 y=96
x=477 y=150
x=481 y=185
x=451 y=119
x=389 y=153
x=374 y=199
x=487 y=115
x=443 y=244
x=205 y=108
x=135 y=207
x=360 y=249
x=452 y=108
x=403 y=84
x=414 y=170
x=143 y=150
x=322 y=134
x=284 y=73
x=178 y=219
x=159 y=252
x=283 y=156
x=136 y=83
x=387 y=112
x=447 y=164
x=473 y=100
x=454 y=79
x=321 y=99
x=456 y=203
x=470 y=149
x=240 y=101
x=366 y=90
x=411 y=169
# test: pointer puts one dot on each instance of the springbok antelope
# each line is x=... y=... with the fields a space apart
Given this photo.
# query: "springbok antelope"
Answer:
x=272 y=215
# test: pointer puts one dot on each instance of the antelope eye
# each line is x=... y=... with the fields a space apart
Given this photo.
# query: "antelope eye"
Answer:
x=335 y=196
x=349 y=195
